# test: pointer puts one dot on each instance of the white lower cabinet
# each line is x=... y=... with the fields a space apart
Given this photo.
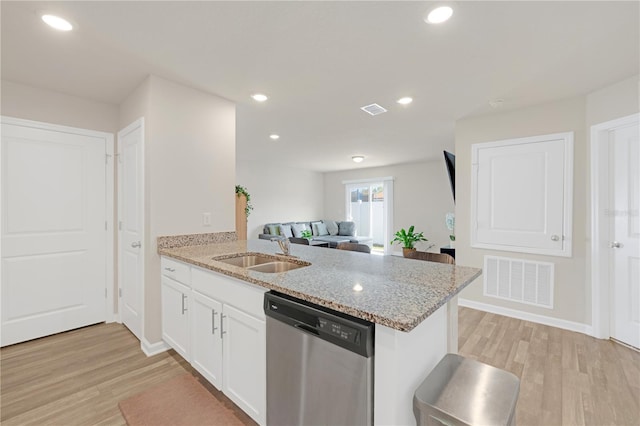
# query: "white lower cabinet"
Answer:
x=226 y=335
x=175 y=315
x=244 y=361
x=206 y=338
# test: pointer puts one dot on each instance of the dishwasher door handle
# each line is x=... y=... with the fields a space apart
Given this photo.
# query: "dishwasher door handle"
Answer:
x=307 y=328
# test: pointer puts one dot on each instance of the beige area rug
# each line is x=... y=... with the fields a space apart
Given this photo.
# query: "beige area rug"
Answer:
x=181 y=401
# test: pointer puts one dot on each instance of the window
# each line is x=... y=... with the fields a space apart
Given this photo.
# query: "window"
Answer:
x=368 y=204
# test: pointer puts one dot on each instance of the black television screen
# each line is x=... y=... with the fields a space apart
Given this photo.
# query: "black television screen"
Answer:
x=450 y=161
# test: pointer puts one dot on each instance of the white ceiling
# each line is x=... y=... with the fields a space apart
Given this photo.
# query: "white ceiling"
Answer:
x=319 y=62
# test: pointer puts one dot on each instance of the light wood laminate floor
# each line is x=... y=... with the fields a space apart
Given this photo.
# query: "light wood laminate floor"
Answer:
x=78 y=377
x=566 y=378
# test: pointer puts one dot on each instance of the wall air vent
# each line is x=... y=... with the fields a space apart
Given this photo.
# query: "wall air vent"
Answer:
x=519 y=280
x=373 y=109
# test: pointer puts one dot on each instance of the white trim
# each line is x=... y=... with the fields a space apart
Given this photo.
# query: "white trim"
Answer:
x=567 y=231
x=388 y=214
x=526 y=316
x=110 y=198
x=151 y=349
x=110 y=315
x=134 y=125
x=600 y=289
x=382 y=179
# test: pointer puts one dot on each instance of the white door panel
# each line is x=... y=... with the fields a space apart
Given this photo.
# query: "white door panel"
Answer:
x=244 y=362
x=53 y=231
x=206 y=338
x=625 y=250
x=524 y=184
x=130 y=200
x=522 y=195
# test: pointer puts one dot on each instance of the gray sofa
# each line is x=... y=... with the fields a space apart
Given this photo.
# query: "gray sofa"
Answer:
x=332 y=232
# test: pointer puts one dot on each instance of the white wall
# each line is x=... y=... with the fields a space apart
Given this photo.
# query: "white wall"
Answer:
x=280 y=194
x=189 y=170
x=572 y=279
x=422 y=197
x=32 y=103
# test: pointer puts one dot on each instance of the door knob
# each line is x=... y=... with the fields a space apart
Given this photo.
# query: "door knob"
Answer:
x=136 y=244
x=555 y=238
x=616 y=244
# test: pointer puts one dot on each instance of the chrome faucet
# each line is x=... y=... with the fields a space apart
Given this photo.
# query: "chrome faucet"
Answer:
x=284 y=244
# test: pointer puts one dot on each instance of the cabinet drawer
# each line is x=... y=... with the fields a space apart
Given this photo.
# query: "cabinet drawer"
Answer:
x=244 y=296
x=176 y=270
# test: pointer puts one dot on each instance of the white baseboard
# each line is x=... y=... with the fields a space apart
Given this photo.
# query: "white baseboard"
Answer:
x=112 y=317
x=526 y=316
x=151 y=349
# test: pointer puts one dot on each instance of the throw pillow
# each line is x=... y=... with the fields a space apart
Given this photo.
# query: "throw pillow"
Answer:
x=274 y=229
x=314 y=228
x=297 y=229
x=347 y=229
x=332 y=227
x=321 y=229
x=286 y=231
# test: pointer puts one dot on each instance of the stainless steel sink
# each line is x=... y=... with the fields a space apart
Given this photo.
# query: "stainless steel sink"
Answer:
x=246 y=261
x=261 y=262
x=275 y=267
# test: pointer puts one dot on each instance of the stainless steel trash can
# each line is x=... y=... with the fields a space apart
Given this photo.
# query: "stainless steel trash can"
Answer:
x=461 y=391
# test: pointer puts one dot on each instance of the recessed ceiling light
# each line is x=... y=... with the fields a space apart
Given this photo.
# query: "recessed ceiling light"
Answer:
x=57 y=22
x=358 y=158
x=405 y=101
x=259 y=97
x=439 y=15
x=274 y=137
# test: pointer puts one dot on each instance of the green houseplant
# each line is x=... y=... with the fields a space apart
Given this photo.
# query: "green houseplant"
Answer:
x=241 y=190
x=408 y=238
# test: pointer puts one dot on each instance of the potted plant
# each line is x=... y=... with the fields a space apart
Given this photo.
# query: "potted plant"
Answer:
x=306 y=234
x=241 y=190
x=408 y=238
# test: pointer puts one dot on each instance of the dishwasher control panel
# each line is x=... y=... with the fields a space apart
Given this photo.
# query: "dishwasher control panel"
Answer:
x=353 y=334
x=339 y=330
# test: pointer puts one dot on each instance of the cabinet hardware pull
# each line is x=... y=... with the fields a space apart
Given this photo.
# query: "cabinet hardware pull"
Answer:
x=136 y=244
x=169 y=269
x=222 y=317
x=213 y=322
x=184 y=308
x=616 y=244
x=555 y=238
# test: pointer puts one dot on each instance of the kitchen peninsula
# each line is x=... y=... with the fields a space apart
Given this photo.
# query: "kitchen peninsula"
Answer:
x=412 y=304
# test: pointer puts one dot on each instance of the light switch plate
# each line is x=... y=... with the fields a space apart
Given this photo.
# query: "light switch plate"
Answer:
x=206 y=219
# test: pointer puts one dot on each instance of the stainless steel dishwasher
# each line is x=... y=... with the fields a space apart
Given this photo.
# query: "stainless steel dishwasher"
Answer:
x=319 y=365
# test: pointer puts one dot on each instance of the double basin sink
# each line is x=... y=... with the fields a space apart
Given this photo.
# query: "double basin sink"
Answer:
x=261 y=262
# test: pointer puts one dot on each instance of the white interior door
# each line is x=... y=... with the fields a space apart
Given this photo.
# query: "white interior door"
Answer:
x=131 y=225
x=625 y=244
x=54 y=236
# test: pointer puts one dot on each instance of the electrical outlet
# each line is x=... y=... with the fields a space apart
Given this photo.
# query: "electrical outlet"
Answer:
x=206 y=219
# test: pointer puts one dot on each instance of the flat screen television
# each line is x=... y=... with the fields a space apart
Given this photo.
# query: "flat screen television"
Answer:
x=450 y=161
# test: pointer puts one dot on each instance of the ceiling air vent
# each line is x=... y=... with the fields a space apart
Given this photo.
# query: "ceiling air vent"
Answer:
x=373 y=109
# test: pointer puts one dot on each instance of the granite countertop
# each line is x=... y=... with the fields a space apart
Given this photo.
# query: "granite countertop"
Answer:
x=389 y=290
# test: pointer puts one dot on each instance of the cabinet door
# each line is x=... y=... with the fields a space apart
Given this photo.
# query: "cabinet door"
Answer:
x=175 y=316
x=244 y=360
x=206 y=338
x=522 y=195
